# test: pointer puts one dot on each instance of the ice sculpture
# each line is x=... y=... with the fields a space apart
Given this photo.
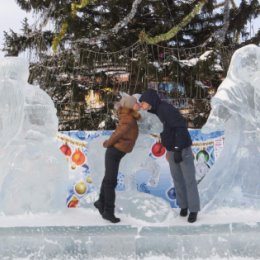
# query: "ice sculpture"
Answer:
x=149 y=123
x=234 y=180
x=130 y=201
x=33 y=171
x=11 y=100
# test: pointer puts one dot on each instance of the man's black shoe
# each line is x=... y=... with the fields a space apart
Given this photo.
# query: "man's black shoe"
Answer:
x=99 y=206
x=192 y=217
x=110 y=217
x=184 y=212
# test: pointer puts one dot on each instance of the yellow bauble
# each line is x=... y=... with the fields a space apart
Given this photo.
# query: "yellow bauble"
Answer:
x=73 y=166
x=89 y=179
x=81 y=187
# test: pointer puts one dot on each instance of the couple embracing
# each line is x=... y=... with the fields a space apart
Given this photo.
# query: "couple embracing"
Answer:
x=176 y=139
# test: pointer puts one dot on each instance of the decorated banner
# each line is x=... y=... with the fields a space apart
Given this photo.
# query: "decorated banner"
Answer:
x=146 y=169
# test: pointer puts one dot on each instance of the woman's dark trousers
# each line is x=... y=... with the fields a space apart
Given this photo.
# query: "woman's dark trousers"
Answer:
x=107 y=195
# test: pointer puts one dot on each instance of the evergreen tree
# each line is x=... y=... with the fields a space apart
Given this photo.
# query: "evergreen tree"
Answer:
x=89 y=34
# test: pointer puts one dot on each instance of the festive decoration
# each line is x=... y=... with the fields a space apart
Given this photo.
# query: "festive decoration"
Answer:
x=220 y=34
x=203 y=153
x=67 y=139
x=117 y=27
x=66 y=149
x=89 y=179
x=64 y=27
x=75 y=7
x=94 y=100
x=59 y=36
x=186 y=110
x=211 y=91
x=128 y=18
x=158 y=149
x=73 y=203
x=78 y=157
x=81 y=187
x=170 y=34
x=73 y=166
x=154 y=177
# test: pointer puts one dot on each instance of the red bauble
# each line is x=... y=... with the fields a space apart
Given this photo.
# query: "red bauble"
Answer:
x=73 y=202
x=66 y=149
x=78 y=157
x=158 y=150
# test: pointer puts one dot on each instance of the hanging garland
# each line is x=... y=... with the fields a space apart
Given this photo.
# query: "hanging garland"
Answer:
x=116 y=28
x=64 y=27
x=69 y=140
x=223 y=31
x=59 y=36
x=75 y=7
x=170 y=34
x=128 y=18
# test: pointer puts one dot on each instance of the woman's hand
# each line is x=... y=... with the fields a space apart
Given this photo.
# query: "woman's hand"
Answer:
x=105 y=144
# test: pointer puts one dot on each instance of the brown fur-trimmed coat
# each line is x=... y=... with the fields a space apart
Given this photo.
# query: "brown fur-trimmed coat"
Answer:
x=126 y=132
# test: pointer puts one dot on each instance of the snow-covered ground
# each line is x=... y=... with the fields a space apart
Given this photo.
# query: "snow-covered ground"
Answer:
x=91 y=217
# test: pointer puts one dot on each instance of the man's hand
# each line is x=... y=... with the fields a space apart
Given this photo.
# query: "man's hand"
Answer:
x=177 y=156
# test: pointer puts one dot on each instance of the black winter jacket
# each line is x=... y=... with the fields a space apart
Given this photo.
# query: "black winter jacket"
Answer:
x=175 y=135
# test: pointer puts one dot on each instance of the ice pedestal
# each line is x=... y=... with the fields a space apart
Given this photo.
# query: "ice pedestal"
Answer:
x=220 y=241
x=100 y=242
x=225 y=241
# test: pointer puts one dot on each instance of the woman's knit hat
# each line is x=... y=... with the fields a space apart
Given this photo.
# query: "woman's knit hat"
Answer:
x=128 y=102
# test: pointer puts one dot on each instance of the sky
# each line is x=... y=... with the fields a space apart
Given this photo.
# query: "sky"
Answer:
x=11 y=16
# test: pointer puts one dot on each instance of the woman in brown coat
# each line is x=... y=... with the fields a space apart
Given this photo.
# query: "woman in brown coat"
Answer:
x=122 y=141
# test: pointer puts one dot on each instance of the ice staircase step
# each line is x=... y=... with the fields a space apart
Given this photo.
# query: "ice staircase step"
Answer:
x=226 y=241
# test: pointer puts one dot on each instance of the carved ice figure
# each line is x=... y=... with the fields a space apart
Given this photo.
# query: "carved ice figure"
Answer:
x=131 y=202
x=33 y=171
x=11 y=100
x=234 y=180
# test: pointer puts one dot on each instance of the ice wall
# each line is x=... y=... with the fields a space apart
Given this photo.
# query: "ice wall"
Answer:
x=33 y=172
x=234 y=180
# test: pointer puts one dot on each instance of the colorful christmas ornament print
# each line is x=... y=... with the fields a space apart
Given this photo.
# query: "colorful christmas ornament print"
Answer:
x=81 y=187
x=78 y=157
x=89 y=179
x=73 y=203
x=66 y=149
x=158 y=149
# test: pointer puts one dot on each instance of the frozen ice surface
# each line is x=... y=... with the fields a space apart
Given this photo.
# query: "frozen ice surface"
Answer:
x=33 y=171
x=234 y=180
x=221 y=241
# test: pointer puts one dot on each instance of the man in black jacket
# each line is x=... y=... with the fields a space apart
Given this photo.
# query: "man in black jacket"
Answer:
x=176 y=139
